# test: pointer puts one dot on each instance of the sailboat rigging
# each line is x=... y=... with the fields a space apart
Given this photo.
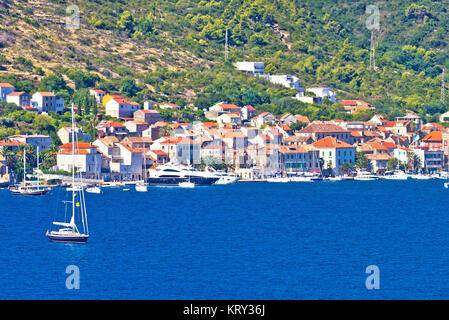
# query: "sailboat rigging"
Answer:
x=70 y=233
x=25 y=189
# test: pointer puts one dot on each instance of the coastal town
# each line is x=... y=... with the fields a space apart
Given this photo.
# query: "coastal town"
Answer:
x=253 y=145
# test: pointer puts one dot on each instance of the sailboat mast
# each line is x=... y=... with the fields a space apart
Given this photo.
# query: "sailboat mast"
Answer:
x=73 y=166
x=24 y=167
x=38 y=179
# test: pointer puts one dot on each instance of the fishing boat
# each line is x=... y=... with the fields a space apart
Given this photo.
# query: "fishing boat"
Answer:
x=29 y=189
x=70 y=232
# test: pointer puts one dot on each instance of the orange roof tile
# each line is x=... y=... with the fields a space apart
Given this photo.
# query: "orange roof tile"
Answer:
x=331 y=142
x=433 y=136
x=79 y=145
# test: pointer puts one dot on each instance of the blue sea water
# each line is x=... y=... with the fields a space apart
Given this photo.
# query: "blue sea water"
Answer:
x=243 y=241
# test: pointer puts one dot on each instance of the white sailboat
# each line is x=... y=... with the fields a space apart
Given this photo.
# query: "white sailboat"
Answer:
x=143 y=186
x=27 y=189
x=70 y=233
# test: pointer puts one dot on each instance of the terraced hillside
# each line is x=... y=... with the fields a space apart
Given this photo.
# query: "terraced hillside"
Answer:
x=175 y=49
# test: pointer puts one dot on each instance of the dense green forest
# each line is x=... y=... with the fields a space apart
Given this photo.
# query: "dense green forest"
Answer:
x=175 y=51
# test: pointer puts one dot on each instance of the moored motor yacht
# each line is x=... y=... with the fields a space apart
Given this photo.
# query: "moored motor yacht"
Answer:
x=395 y=175
x=171 y=175
x=224 y=177
x=365 y=176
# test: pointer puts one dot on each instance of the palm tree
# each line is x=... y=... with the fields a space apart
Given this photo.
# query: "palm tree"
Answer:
x=9 y=157
x=413 y=161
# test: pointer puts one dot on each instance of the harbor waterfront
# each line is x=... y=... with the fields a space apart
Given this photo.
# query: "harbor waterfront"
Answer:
x=248 y=240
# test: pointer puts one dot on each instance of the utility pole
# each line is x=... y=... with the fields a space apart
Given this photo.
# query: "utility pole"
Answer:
x=226 y=44
x=373 y=25
x=372 y=54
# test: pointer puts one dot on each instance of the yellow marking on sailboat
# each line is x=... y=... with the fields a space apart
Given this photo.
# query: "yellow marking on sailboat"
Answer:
x=77 y=204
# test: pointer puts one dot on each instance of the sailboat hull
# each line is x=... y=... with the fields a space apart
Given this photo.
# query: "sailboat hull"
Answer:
x=67 y=238
x=29 y=193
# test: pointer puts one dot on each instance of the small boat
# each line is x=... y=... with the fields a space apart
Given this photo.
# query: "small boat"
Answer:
x=365 y=176
x=143 y=187
x=76 y=188
x=279 y=180
x=126 y=189
x=93 y=189
x=112 y=185
x=338 y=178
x=301 y=179
x=446 y=185
x=395 y=175
x=186 y=184
x=421 y=177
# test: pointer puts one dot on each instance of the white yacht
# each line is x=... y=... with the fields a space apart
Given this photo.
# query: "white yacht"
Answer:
x=365 y=176
x=171 y=175
x=224 y=177
x=279 y=179
x=421 y=176
x=301 y=179
x=395 y=175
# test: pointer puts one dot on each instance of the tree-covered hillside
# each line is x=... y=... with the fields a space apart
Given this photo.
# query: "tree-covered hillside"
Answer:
x=175 y=50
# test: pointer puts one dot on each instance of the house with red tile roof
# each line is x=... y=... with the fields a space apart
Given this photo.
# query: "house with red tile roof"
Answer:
x=65 y=134
x=86 y=157
x=98 y=94
x=5 y=89
x=262 y=119
x=379 y=161
x=302 y=119
x=135 y=128
x=47 y=102
x=43 y=142
x=121 y=108
x=225 y=107
x=235 y=140
x=321 y=130
x=180 y=150
x=351 y=106
x=148 y=116
x=296 y=158
x=170 y=106
x=230 y=119
x=378 y=120
x=433 y=141
x=21 y=99
x=112 y=128
x=248 y=112
x=334 y=153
